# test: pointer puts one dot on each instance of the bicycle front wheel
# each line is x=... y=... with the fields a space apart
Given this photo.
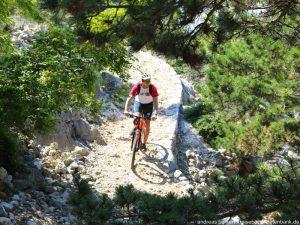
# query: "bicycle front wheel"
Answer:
x=136 y=139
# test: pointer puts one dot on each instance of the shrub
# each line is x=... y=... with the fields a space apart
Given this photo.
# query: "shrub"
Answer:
x=9 y=151
x=250 y=197
x=251 y=88
x=56 y=73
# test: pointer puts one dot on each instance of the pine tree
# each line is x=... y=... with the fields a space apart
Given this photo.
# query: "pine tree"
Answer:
x=174 y=27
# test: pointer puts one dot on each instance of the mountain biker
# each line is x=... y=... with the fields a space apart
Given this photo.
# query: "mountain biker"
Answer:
x=146 y=98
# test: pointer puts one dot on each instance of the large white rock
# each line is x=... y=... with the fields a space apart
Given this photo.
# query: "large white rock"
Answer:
x=38 y=164
x=86 y=131
x=61 y=168
x=188 y=94
x=111 y=112
x=81 y=151
x=232 y=221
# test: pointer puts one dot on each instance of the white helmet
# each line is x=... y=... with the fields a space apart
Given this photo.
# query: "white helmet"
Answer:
x=146 y=76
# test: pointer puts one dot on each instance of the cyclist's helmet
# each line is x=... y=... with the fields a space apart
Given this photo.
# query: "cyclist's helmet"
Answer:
x=146 y=76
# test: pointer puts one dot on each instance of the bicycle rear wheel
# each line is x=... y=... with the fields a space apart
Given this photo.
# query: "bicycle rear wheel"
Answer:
x=136 y=142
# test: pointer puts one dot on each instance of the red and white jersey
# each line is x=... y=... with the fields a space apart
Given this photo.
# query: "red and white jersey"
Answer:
x=144 y=96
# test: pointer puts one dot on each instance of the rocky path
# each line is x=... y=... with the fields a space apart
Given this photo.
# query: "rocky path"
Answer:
x=156 y=168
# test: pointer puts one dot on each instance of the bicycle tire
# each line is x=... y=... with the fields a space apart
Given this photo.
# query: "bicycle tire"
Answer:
x=132 y=139
x=134 y=147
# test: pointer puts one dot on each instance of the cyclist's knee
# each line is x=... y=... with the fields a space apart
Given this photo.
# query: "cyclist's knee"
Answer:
x=137 y=114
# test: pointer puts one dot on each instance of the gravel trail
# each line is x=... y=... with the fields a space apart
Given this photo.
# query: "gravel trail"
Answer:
x=156 y=168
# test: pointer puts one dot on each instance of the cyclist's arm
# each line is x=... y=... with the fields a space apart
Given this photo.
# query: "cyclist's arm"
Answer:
x=128 y=102
x=155 y=104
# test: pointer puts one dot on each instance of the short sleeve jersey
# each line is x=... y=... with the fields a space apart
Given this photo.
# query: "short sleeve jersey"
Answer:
x=144 y=96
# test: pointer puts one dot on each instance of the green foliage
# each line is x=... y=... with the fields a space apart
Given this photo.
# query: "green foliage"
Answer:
x=250 y=96
x=4 y=14
x=92 y=209
x=174 y=27
x=7 y=8
x=106 y=19
x=54 y=74
x=267 y=190
x=141 y=208
x=126 y=197
x=9 y=151
x=185 y=69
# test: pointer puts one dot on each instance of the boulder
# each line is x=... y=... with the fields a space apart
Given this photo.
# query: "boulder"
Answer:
x=171 y=165
x=5 y=182
x=16 y=197
x=3 y=212
x=32 y=179
x=109 y=81
x=38 y=164
x=61 y=168
x=3 y=174
x=68 y=117
x=231 y=220
x=188 y=94
x=293 y=155
x=31 y=223
x=85 y=131
x=5 y=221
x=60 y=199
x=81 y=151
x=81 y=128
x=190 y=154
x=202 y=173
x=72 y=167
x=111 y=112
x=9 y=206
x=62 y=134
x=69 y=160
x=177 y=174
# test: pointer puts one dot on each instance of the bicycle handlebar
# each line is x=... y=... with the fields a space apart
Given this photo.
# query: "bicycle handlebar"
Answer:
x=141 y=117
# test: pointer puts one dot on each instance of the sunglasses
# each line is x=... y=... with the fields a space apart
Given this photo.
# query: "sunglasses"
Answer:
x=146 y=81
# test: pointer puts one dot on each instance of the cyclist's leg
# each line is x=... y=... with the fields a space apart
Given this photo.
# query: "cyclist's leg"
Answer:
x=147 y=131
x=147 y=110
x=137 y=108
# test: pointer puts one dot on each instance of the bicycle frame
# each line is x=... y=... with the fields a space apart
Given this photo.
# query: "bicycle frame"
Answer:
x=139 y=121
x=140 y=124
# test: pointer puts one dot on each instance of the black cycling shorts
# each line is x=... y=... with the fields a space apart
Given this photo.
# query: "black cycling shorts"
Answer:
x=144 y=109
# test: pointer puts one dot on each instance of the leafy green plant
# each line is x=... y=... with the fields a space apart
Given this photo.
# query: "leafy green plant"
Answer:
x=251 y=90
x=8 y=8
x=54 y=74
x=91 y=209
x=10 y=151
x=184 y=69
x=268 y=189
x=57 y=72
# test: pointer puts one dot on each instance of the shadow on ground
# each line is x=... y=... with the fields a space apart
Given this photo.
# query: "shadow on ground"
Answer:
x=150 y=164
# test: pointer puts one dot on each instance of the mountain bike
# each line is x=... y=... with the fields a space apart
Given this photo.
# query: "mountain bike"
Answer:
x=136 y=142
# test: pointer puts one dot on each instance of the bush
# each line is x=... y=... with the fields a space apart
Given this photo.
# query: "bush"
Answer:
x=92 y=209
x=56 y=73
x=183 y=68
x=267 y=190
x=9 y=151
x=252 y=101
